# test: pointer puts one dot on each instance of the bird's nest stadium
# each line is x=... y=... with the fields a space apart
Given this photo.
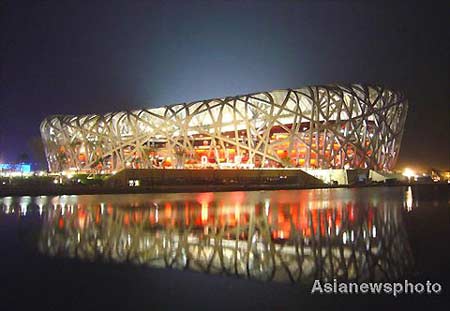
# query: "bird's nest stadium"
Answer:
x=314 y=127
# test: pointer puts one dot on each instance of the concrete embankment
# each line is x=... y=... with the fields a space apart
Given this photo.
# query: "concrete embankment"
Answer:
x=421 y=190
x=80 y=190
x=164 y=181
x=180 y=180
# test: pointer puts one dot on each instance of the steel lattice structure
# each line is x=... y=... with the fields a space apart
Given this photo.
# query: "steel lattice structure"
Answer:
x=333 y=126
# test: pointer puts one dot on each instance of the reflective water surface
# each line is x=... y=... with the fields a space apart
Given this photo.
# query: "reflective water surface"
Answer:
x=284 y=236
x=222 y=251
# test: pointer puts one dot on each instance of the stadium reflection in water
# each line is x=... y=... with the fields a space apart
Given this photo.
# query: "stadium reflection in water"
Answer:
x=293 y=236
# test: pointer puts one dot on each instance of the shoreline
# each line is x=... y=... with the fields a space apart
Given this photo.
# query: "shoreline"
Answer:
x=92 y=190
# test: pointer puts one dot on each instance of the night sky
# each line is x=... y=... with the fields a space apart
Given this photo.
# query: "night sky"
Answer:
x=77 y=57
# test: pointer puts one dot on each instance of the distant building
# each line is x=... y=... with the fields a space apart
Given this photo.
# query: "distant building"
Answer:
x=14 y=169
x=315 y=127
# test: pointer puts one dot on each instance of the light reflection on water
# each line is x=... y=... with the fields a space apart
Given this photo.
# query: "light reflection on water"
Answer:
x=296 y=235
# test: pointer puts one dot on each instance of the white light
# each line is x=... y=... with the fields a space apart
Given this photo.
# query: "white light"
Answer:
x=267 y=206
x=24 y=201
x=23 y=208
x=407 y=172
x=408 y=199
x=227 y=117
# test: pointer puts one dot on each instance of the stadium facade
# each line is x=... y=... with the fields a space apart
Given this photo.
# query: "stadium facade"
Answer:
x=315 y=127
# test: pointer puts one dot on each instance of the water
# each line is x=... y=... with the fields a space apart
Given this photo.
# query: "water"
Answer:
x=237 y=249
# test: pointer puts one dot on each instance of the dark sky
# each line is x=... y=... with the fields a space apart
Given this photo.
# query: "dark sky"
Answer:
x=74 y=57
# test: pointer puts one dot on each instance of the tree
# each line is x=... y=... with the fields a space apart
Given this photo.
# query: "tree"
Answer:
x=23 y=158
x=36 y=148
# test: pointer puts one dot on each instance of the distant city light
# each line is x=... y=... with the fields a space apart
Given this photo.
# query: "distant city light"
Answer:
x=408 y=172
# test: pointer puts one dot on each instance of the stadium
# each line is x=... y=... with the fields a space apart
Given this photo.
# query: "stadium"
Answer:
x=315 y=127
